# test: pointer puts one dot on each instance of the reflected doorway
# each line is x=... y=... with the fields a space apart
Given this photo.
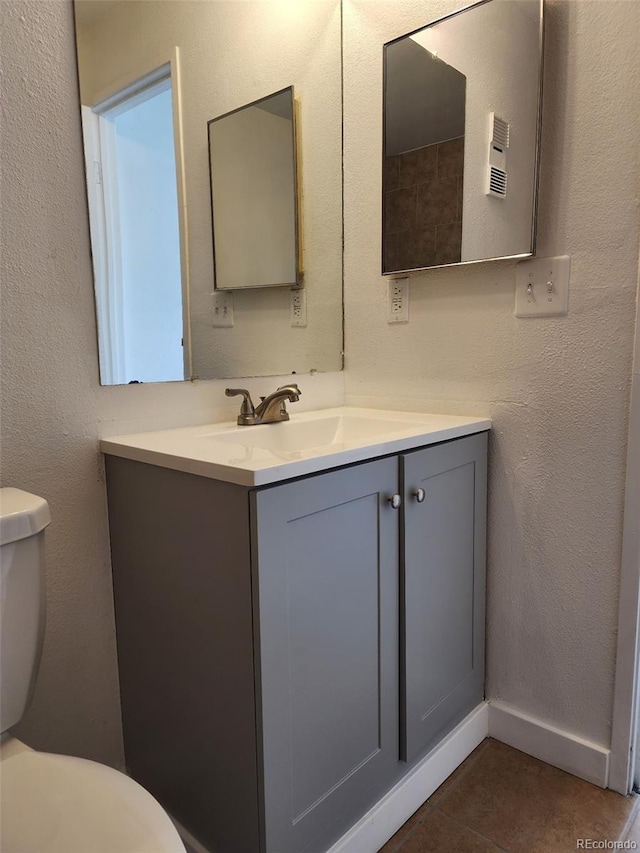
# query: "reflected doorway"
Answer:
x=135 y=232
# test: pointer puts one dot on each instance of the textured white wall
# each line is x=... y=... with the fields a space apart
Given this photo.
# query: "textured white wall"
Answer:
x=53 y=409
x=557 y=389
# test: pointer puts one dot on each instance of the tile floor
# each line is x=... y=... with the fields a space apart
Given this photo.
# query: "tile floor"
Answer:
x=501 y=799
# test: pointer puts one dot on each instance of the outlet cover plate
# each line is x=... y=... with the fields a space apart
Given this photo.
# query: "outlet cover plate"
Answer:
x=222 y=310
x=542 y=287
x=398 y=300
x=298 y=305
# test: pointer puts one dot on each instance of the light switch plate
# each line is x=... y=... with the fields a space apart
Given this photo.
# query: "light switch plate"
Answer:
x=542 y=287
x=222 y=309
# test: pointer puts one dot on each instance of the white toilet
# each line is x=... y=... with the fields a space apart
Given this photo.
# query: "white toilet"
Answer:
x=54 y=803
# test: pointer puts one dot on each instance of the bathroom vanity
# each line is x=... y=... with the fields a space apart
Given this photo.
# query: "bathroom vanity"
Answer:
x=299 y=611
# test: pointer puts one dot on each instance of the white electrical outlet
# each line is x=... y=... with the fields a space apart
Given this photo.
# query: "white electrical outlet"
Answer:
x=298 y=303
x=222 y=311
x=398 y=300
x=542 y=287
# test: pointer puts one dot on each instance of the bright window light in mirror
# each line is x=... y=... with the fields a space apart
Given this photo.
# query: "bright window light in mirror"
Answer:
x=135 y=235
x=461 y=137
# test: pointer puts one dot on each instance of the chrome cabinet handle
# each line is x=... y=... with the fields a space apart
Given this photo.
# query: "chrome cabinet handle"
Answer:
x=419 y=495
x=395 y=501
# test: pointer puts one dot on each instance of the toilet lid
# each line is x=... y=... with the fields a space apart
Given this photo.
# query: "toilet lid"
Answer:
x=59 y=804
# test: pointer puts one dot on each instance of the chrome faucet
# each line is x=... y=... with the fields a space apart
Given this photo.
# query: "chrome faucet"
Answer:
x=270 y=410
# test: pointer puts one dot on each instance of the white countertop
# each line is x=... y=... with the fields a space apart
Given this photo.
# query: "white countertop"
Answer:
x=310 y=442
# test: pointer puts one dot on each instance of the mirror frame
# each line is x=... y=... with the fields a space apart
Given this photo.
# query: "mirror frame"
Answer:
x=538 y=142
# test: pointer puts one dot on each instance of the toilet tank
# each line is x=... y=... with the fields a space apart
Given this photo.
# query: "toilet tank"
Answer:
x=23 y=518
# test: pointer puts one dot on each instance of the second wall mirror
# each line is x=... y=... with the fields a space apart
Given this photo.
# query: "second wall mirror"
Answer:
x=462 y=101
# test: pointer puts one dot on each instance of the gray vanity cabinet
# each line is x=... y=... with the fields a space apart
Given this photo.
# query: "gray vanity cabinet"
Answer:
x=325 y=572
x=442 y=588
x=287 y=653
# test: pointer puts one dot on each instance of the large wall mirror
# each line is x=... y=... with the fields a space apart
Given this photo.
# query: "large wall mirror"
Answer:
x=152 y=75
x=462 y=100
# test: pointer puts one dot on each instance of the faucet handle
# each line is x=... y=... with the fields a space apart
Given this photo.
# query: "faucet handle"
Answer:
x=246 y=410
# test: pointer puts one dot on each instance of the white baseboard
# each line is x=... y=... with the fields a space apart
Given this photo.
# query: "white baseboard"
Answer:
x=555 y=746
x=397 y=806
x=562 y=749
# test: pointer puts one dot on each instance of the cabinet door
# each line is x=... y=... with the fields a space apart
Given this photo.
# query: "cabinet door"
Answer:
x=325 y=562
x=442 y=589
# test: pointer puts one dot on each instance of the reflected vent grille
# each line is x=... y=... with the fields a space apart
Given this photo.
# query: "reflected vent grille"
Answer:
x=500 y=132
x=497 y=182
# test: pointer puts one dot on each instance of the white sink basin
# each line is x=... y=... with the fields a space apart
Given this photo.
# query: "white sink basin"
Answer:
x=309 y=442
x=296 y=435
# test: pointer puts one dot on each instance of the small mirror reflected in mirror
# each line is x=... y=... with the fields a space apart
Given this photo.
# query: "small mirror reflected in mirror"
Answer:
x=252 y=158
